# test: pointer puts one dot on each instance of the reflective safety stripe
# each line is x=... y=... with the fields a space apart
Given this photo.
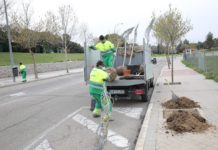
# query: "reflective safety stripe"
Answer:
x=96 y=87
x=106 y=52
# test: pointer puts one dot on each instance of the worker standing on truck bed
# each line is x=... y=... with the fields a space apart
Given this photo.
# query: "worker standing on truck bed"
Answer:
x=97 y=79
x=107 y=51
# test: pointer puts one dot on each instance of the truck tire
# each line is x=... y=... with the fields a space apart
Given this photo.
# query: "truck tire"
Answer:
x=144 y=97
x=152 y=83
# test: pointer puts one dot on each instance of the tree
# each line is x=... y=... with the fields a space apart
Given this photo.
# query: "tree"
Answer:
x=75 y=48
x=116 y=39
x=186 y=42
x=200 y=45
x=2 y=9
x=209 y=42
x=68 y=26
x=52 y=29
x=24 y=34
x=216 y=42
x=85 y=35
x=170 y=27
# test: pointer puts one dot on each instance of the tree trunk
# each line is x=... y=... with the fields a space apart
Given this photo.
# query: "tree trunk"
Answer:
x=172 y=71
x=168 y=58
x=65 y=51
x=34 y=64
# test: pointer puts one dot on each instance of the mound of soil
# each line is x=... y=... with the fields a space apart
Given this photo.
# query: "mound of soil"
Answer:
x=181 y=103
x=184 y=121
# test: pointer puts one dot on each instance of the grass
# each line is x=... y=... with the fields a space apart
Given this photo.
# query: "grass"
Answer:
x=164 y=55
x=40 y=58
x=211 y=64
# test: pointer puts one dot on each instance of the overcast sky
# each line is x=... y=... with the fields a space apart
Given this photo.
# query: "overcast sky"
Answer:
x=103 y=16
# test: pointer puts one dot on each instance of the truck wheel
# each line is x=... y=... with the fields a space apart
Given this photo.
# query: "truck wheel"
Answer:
x=144 y=97
x=152 y=83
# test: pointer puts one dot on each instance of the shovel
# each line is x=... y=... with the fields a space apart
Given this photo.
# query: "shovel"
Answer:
x=174 y=96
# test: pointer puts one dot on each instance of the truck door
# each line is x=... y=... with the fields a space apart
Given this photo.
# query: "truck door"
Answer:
x=91 y=58
x=147 y=60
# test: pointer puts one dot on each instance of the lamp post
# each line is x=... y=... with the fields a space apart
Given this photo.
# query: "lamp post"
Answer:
x=9 y=42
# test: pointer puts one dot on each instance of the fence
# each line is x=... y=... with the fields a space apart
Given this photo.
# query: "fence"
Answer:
x=206 y=62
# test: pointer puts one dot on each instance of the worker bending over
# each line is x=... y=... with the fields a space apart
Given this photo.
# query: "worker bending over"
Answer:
x=97 y=79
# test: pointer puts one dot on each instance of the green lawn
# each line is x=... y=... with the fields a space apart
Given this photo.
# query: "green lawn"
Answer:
x=211 y=65
x=164 y=55
x=40 y=58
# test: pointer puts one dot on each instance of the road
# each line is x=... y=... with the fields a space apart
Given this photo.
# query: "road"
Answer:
x=53 y=114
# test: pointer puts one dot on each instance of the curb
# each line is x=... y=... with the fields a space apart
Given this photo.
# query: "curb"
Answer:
x=39 y=79
x=140 y=144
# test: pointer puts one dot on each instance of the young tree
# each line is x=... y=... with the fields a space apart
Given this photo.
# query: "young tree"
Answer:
x=9 y=4
x=85 y=35
x=51 y=29
x=171 y=27
x=23 y=33
x=68 y=26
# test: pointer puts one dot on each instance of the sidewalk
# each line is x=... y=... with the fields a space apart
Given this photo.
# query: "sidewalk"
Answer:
x=31 y=77
x=153 y=135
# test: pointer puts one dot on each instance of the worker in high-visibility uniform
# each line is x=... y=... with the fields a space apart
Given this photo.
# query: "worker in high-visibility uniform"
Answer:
x=23 y=71
x=97 y=78
x=107 y=51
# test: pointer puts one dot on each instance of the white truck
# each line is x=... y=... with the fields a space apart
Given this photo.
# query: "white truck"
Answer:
x=133 y=86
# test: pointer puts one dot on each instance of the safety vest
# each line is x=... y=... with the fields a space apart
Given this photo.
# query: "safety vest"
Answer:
x=106 y=48
x=22 y=67
x=97 y=75
x=96 y=81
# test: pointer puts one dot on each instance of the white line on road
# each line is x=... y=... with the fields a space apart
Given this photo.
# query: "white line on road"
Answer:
x=130 y=111
x=13 y=95
x=44 y=146
x=53 y=127
x=17 y=94
x=113 y=137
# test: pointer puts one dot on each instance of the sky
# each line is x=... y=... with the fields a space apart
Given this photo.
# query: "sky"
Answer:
x=103 y=17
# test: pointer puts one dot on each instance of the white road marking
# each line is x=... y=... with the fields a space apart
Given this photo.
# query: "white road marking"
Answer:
x=52 y=128
x=113 y=137
x=17 y=94
x=142 y=135
x=130 y=111
x=44 y=146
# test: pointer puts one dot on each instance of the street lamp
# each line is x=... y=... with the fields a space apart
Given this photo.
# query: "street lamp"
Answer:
x=9 y=41
x=117 y=26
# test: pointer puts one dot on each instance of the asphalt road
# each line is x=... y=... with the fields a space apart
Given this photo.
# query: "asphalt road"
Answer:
x=54 y=114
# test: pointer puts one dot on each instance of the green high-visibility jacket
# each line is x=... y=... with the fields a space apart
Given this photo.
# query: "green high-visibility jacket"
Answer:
x=22 y=68
x=96 y=81
x=106 y=48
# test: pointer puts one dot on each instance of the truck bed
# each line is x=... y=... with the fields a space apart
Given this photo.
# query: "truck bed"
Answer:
x=119 y=82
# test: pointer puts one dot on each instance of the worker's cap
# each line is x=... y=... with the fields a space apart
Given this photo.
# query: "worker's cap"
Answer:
x=101 y=38
x=99 y=63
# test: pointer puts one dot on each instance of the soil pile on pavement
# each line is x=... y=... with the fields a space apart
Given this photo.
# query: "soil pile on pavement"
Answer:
x=181 y=103
x=185 y=121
